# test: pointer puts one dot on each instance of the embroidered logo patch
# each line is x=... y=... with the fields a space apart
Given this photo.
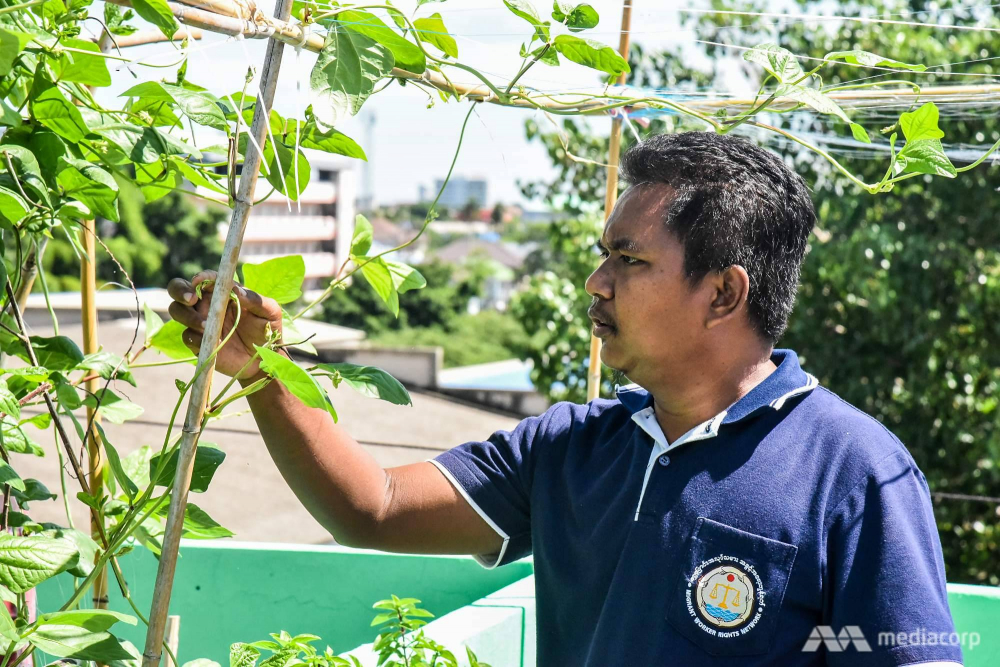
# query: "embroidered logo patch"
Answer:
x=725 y=596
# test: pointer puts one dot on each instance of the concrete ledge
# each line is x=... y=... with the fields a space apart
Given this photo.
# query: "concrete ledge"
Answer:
x=499 y=628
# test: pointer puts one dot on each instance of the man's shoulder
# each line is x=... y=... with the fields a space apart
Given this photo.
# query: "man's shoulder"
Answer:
x=853 y=443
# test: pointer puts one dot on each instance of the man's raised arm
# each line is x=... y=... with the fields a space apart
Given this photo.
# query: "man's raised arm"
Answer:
x=411 y=508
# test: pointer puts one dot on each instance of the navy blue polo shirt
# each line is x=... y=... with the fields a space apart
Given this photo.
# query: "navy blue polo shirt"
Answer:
x=790 y=529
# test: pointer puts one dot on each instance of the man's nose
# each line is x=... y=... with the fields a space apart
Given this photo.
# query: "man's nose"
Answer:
x=599 y=284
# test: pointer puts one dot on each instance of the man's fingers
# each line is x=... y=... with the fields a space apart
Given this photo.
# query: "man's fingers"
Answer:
x=187 y=316
x=202 y=276
x=181 y=291
x=192 y=339
x=255 y=304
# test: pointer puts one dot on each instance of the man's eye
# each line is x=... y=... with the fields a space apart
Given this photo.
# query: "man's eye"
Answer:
x=603 y=253
x=631 y=261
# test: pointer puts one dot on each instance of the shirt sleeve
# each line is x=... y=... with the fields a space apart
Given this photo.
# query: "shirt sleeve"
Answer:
x=885 y=573
x=495 y=475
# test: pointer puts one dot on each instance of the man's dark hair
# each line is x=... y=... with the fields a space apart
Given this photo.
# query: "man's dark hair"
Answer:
x=735 y=203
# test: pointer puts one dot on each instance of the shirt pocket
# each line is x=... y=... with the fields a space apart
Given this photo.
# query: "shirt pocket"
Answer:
x=727 y=596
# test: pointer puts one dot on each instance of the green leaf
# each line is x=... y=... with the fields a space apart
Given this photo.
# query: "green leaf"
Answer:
x=330 y=141
x=136 y=465
x=364 y=234
x=921 y=124
x=139 y=144
x=92 y=185
x=95 y=620
x=405 y=277
x=167 y=340
x=860 y=133
x=345 y=74
x=868 y=59
x=527 y=11
x=12 y=42
x=406 y=55
x=286 y=186
x=157 y=111
x=41 y=421
x=105 y=364
x=8 y=115
x=54 y=111
x=114 y=408
x=432 y=30
x=591 y=54
x=26 y=562
x=13 y=208
x=33 y=491
x=371 y=381
x=80 y=67
x=377 y=273
x=576 y=18
x=27 y=169
x=242 y=655
x=198 y=525
x=9 y=477
x=812 y=98
x=56 y=352
x=207 y=459
x=295 y=379
x=291 y=334
x=16 y=440
x=158 y=13
x=925 y=156
x=777 y=60
x=201 y=107
x=86 y=548
x=279 y=278
x=30 y=373
x=70 y=641
x=153 y=323
x=8 y=401
x=115 y=464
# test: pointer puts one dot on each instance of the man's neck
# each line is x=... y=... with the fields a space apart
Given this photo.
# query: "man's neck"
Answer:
x=685 y=402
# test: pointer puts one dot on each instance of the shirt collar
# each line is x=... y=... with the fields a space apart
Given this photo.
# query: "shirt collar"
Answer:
x=787 y=381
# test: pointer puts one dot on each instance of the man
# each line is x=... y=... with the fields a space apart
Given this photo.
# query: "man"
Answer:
x=724 y=507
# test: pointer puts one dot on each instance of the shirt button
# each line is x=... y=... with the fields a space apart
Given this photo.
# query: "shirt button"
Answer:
x=664 y=460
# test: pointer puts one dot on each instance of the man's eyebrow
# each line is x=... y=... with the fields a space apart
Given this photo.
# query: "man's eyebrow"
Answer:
x=620 y=244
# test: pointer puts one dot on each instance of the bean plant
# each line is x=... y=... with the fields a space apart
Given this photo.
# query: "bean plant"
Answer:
x=65 y=156
x=400 y=643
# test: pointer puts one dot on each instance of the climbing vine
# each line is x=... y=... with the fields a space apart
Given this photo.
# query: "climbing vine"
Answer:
x=65 y=156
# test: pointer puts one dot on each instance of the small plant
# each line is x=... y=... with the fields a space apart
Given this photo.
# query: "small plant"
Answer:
x=400 y=643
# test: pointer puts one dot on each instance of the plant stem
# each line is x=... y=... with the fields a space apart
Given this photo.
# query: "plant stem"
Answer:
x=527 y=66
x=427 y=221
x=23 y=5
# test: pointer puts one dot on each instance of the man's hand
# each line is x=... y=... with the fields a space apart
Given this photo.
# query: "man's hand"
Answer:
x=256 y=313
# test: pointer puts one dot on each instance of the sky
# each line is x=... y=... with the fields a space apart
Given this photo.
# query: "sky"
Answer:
x=411 y=145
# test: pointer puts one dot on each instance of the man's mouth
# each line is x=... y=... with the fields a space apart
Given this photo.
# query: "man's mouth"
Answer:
x=603 y=324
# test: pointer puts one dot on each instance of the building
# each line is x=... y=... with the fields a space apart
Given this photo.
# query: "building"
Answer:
x=458 y=192
x=318 y=226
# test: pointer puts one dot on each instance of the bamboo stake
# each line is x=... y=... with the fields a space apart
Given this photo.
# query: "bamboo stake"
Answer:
x=172 y=638
x=229 y=18
x=154 y=37
x=610 y=197
x=88 y=311
x=95 y=458
x=213 y=329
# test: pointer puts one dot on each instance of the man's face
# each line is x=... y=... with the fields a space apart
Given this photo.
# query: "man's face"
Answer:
x=646 y=313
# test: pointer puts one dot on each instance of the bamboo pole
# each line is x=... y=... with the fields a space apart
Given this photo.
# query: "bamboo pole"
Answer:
x=88 y=312
x=610 y=197
x=154 y=37
x=95 y=458
x=229 y=18
x=172 y=639
x=210 y=339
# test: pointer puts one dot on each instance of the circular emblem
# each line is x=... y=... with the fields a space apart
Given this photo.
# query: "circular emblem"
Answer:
x=724 y=596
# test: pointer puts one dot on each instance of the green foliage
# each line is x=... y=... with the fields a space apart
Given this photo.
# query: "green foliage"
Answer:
x=279 y=278
x=368 y=381
x=400 y=643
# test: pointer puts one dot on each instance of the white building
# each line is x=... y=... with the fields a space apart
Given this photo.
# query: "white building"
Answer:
x=319 y=226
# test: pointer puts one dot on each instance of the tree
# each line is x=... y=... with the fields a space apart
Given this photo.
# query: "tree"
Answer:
x=900 y=293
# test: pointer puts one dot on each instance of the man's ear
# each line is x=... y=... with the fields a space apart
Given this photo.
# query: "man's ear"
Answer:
x=730 y=290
